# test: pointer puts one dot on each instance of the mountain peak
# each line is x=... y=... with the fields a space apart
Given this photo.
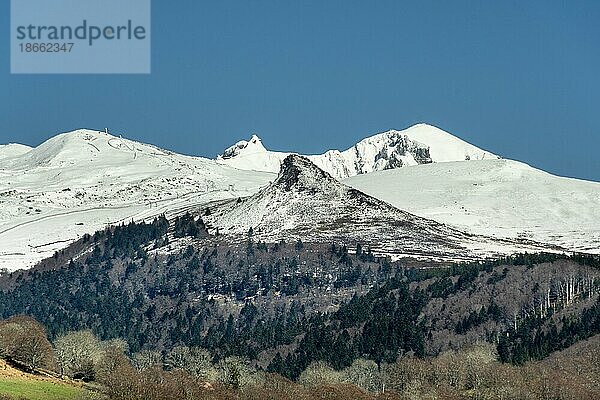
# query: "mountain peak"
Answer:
x=13 y=150
x=306 y=202
x=444 y=146
x=87 y=135
x=244 y=148
x=254 y=139
x=300 y=173
x=419 y=144
x=82 y=147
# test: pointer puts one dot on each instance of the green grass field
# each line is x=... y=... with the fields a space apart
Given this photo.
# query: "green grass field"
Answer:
x=38 y=390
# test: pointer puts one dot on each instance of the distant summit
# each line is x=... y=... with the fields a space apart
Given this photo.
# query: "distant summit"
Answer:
x=78 y=182
x=419 y=144
x=242 y=148
x=13 y=150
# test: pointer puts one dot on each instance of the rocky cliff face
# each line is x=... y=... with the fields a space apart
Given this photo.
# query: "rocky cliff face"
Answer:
x=384 y=151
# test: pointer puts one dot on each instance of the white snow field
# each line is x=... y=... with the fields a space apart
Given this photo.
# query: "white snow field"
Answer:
x=82 y=181
x=499 y=198
x=419 y=144
x=12 y=150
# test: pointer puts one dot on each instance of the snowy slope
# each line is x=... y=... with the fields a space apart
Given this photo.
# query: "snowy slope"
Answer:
x=501 y=198
x=81 y=181
x=306 y=202
x=444 y=147
x=419 y=144
x=13 y=150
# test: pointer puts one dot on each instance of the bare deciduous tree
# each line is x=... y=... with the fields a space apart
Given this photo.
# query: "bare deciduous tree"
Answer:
x=319 y=373
x=236 y=372
x=24 y=340
x=78 y=353
x=364 y=374
x=146 y=359
x=195 y=360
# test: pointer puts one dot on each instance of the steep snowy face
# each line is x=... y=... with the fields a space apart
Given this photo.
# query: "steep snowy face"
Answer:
x=386 y=150
x=251 y=155
x=242 y=148
x=419 y=144
x=444 y=147
x=305 y=202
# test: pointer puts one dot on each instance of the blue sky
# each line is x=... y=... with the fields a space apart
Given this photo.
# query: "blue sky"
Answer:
x=518 y=78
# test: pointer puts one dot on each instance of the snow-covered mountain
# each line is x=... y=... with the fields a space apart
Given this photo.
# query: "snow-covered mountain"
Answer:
x=82 y=181
x=500 y=198
x=13 y=150
x=306 y=202
x=419 y=144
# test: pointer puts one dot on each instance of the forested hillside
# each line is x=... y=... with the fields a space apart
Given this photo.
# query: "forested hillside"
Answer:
x=284 y=305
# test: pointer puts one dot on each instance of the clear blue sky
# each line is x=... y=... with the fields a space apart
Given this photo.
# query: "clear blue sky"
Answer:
x=519 y=78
